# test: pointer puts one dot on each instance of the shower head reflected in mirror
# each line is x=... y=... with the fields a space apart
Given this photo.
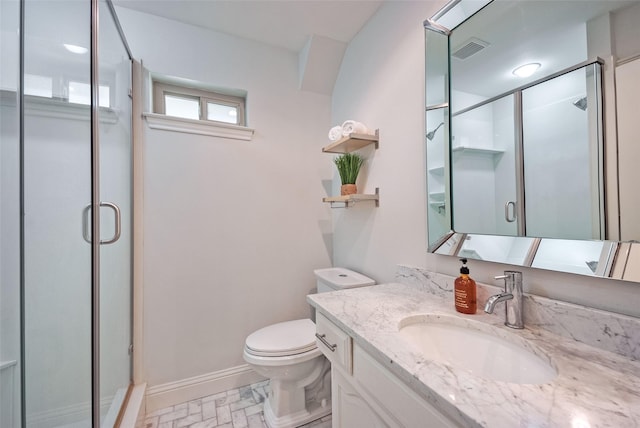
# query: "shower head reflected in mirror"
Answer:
x=432 y=134
x=581 y=103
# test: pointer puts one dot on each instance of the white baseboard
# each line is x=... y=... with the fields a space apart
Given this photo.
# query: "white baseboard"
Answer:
x=9 y=406
x=75 y=415
x=172 y=393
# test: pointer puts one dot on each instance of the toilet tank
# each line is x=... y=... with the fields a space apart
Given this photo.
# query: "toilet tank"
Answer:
x=331 y=279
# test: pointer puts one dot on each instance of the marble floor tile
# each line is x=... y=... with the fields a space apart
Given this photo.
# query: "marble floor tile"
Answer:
x=237 y=408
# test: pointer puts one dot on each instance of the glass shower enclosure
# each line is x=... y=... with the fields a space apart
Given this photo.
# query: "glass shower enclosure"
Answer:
x=66 y=215
x=530 y=162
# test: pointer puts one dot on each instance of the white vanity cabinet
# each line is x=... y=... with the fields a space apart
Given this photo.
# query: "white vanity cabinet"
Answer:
x=364 y=393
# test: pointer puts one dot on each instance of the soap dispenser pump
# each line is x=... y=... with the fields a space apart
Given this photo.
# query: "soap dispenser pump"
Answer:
x=465 y=291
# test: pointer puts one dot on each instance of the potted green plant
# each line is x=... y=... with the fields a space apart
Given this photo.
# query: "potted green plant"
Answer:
x=348 y=166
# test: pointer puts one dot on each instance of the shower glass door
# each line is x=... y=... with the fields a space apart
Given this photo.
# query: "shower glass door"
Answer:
x=57 y=187
x=9 y=215
x=60 y=368
x=562 y=156
x=115 y=194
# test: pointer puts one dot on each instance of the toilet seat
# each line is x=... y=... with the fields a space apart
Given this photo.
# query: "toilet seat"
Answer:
x=283 y=339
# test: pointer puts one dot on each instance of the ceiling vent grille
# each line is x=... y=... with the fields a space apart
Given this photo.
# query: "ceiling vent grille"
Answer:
x=468 y=48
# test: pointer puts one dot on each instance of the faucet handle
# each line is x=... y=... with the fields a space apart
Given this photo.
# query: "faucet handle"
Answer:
x=505 y=277
x=512 y=280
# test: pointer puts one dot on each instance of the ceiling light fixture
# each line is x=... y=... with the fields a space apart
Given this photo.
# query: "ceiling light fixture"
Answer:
x=526 y=70
x=75 y=49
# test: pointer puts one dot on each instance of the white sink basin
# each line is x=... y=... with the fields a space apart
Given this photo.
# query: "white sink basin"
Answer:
x=489 y=352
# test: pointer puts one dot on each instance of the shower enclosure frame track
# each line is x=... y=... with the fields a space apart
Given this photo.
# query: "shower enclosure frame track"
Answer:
x=578 y=66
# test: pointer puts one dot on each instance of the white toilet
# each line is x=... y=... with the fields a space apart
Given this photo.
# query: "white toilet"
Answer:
x=286 y=353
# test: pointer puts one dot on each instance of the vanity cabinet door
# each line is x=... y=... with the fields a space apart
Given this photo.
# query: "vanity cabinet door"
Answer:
x=366 y=394
x=403 y=405
x=349 y=409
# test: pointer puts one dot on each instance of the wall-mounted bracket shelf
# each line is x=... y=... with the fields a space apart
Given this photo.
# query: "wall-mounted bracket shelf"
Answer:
x=476 y=151
x=436 y=196
x=352 y=142
x=439 y=170
x=350 y=200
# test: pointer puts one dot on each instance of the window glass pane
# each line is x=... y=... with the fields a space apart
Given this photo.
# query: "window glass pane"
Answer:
x=222 y=113
x=80 y=93
x=188 y=108
x=40 y=86
x=103 y=96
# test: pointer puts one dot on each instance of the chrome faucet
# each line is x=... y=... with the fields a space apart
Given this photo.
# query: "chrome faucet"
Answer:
x=512 y=297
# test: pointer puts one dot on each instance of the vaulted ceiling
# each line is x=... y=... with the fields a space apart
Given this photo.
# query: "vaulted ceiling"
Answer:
x=284 y=23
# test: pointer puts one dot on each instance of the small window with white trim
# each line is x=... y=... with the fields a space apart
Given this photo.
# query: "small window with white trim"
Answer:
x=198 y=104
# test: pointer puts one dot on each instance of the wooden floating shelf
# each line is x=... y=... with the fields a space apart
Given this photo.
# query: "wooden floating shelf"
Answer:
x=351 y=143
x=346 y=200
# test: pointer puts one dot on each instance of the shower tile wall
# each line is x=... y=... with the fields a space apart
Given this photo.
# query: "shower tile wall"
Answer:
x=236 y=408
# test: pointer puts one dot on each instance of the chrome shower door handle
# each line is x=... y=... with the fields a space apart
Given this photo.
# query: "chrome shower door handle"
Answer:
x=510 y=217
x=117 y=225
x=118 y=221
x=85 y=223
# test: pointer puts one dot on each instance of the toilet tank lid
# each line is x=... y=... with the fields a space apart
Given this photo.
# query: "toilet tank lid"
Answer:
x=285 y=338
x=339 y=278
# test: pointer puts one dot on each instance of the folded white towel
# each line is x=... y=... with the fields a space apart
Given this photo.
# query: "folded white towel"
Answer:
x=351 y=126
x=335 y=133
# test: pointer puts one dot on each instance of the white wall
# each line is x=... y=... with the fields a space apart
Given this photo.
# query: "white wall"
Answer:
x=232 y=229
x=628 y=91
x=627 y=44
x=381 y=83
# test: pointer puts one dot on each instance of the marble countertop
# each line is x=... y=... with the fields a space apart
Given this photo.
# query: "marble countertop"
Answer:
x=594 y=388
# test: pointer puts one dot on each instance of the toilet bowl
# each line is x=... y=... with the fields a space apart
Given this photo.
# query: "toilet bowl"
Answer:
x=286 y=353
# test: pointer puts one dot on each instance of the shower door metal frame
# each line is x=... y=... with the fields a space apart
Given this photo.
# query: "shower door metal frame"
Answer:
x=23 y=378
x=95 y=218
x=96 y=203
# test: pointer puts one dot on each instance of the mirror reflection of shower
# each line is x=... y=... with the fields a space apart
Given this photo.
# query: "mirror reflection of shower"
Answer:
x=581 y=103
x=432 y=134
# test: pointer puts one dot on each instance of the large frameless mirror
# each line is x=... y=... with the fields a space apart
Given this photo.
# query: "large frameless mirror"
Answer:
x=529 y=165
